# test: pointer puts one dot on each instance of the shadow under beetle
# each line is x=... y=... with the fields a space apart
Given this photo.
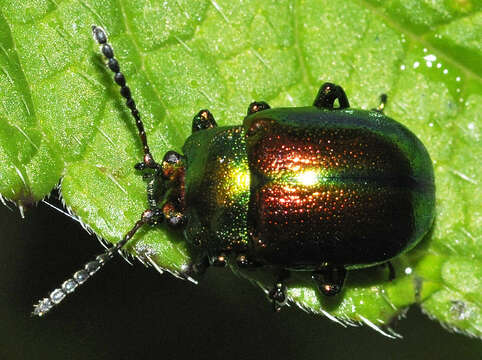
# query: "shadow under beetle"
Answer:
x=323 y=189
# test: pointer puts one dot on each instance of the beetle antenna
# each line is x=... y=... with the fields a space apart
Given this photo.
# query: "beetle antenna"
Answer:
x=113 y=64
x=90 y=268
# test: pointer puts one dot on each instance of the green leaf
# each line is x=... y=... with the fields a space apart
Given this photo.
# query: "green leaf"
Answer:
x=62 y=118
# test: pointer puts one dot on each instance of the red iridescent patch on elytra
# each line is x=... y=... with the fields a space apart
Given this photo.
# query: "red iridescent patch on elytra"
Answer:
x=327 y=193
x=335 y=151
x=314 y=222
x=277 y=203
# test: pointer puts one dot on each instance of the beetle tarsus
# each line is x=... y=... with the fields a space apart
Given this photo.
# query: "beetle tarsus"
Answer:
x=257 y=106
x=244 y=261
x=327 y=95
x=383 y=102
x=199 y=267
x=277 y=294
x=203 y=120
x=391 y=271
x=330 y=279
x=220 y=260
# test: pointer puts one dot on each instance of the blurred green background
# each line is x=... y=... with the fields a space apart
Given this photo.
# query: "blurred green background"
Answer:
x=129 y=312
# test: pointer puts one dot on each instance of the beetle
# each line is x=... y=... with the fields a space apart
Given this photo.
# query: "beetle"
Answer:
x=322 y=188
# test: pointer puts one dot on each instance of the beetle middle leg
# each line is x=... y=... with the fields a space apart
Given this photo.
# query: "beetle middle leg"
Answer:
x=330 y=279
x=245 y=262
x=220 y=260
x=278 y=293
x=203 y=120
x=327 y=95
x=257 y=106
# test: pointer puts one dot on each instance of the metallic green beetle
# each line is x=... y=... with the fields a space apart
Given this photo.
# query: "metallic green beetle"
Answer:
x=319 y=189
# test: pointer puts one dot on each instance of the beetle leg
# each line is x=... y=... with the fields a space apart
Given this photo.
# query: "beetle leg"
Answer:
x=278 y=293
x=174 y=217
x=391 y=271
x=200 y=266
x=203 y=120
x=220 y=260
x=256 y=106
x=195 y=268
x=243 y=261
x=383 y=103
x=327 y=95
x=153 y=190
x=329 y=279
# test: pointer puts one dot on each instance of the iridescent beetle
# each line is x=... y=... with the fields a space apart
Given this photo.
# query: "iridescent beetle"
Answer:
x=319 y=189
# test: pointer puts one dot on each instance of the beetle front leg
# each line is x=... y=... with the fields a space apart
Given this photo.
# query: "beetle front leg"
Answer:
x=154 y=188
x=330 y=279
x=327 y=95
x=278 y=293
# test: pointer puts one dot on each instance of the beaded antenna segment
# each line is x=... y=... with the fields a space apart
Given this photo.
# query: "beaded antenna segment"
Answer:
x=81 y=276
x=113 y=64
x=148 y=216
x=69 y=285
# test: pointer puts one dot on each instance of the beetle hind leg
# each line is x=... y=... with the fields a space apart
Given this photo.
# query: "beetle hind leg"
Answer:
x=391 y=271
x=327 y=95
x=278 y=293
x=383 y=102
x=330 y=279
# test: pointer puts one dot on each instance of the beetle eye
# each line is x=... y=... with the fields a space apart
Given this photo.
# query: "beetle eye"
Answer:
x=172 y=157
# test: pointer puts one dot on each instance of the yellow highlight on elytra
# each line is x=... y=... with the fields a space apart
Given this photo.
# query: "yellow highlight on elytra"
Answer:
x=308 y=178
